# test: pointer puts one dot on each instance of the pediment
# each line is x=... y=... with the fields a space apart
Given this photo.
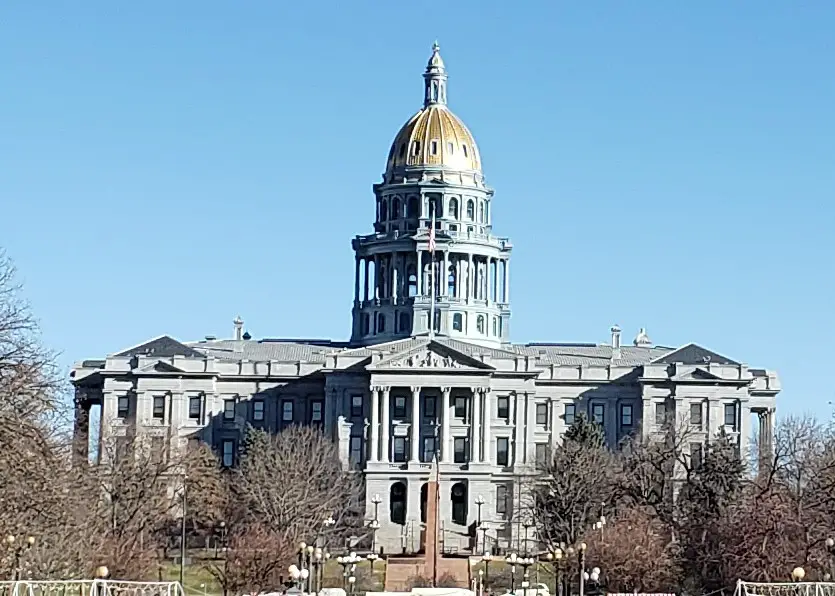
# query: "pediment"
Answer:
x=161 y=367
x=693 y=354
x=698 y=374
x=432 y=356
x=162 y=347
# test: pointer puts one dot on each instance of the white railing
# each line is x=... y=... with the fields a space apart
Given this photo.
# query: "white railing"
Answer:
x=86 y=587
x=784 y=589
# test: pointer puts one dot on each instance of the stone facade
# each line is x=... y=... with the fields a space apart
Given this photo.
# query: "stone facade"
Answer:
x=399 y=393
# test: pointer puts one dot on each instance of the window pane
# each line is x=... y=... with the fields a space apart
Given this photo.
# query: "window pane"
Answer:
x=460 y=407
x=542 y=414
x=626 y=415
x=429 y=448
x=569 y=414
x=159 y=406
x=660 y=414
x=356 y=406
x=460 y=450
x=696 y=415
x=228 y=453
x=502 y=444
x=194 y=407
x=429 y=407
x=229 y=409
x=504 y=407
x=730 y=415
x=124 y=406
x=316 y=411
x=287 y=411
x=501 y=499
x=258 y=410
x=400 y=407
x=597 y=413
x=399 y=449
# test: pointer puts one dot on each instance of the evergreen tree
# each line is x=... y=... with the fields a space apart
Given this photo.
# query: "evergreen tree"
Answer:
x=586 y=432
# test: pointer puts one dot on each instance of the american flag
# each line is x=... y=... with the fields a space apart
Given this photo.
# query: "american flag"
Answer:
x=432 y=237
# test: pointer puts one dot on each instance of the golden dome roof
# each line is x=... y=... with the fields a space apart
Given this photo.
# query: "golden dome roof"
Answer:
x=434 y=136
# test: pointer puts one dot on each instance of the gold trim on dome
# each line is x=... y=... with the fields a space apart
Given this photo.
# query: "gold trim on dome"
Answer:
x=435 y=137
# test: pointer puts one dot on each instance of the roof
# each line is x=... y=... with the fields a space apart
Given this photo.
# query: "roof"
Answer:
x=590 y=354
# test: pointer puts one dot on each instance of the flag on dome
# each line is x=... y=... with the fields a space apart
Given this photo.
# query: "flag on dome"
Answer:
x=432 y=236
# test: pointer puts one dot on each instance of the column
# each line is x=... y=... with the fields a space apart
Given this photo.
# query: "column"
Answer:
x=458 y=276
x=357 y=279
x=386 y=444
x=487 y=448
x=375 y=424
x=394 y=275
x=445 y=275
x=419 y=273
x=377 y=284
x=475 y=420
x=365 y=292
x=470 y=278
x=647 y=417
x=446 y=413
x=415 y=424
x=506 y=281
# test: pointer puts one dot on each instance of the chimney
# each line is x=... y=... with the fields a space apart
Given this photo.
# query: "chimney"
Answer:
x=615 y=342
x=642 y=339
x=239 y=326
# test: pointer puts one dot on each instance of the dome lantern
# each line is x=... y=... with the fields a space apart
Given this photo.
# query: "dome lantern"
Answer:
x=435 y=79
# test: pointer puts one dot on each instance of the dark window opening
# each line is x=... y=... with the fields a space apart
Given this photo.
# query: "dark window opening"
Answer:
x=159 y=407
x=430 y=446
x=287 y=411
x=123 y=407
x=228 y=451
x=503 y=407
x=457 y=319
x=597 y=413
x=399 y=407
x=730 y=415
x=459 y=503
x=397 y=503
x=501 y=499
x=429 y=407
x=258 y=410
x=400 y=447
x=696 y=415
x=356 y=406
x=229 y=409
x=194 y=407
x=502 y=451
x=660 y=414
x=625 y=415
x=460 y=406
x=405 y=322
x=570 y=414
x=542 y=414
x=356 y=451
x=460 y=451
x=316 y=411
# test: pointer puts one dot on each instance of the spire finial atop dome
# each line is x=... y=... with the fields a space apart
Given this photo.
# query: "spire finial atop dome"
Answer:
x=435 y=78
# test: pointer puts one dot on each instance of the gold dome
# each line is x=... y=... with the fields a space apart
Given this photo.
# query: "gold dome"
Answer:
x=434 y=137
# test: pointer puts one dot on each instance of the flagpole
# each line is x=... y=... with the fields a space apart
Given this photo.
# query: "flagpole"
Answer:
x=432 y=280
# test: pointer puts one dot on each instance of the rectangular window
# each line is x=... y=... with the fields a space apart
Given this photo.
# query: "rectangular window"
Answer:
x=460 y=406
x=568 y=416
x=502 y=448
x=626 y=415
x=503 y=407
x=356 y=406
x=194 y=407
x=228 y=409
x=460 y=455
x=434 y=146
x=541 y=454
x=597 y=411
x=696 y=415
x=542 y=414
x=316 y=412
x=695 y=455
x=258 y=410
x=159 y=407
x=123 y=407
x=400 y=407
x=356 y=451
x=501 y=499
x=429 y=407
x=660 y=414
x=429 y=447
x=228 y=450
x=730 y=415
x=287 y=411
x=399 y=449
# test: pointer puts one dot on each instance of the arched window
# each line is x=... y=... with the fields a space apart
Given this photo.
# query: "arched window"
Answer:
x=411 y=278
x=405 y=322
x=479 y=323
x=470 y=209
x=366 y=324
x=413 y=208
x=384 y=210
x=424 y=494
x=459 y=503
x=481 y=212
x=450 y=281
x=395 y=209
x=453 y=208
x=381 y=323
x=458 y=322
x=397 y=503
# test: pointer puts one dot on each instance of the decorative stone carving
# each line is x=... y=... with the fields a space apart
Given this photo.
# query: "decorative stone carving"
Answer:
x=426 y=359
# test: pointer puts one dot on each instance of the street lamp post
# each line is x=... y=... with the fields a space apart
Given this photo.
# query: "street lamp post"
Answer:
x=17 y=548
x=479 y=502
x=511 y=560
x=525 y=563
x=581 y=559
x=349 y=565
x=556 y=558
x=486 y=557
x=183 y=537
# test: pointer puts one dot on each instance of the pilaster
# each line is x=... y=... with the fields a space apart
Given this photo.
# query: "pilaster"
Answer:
x=475 y=424
x=415 y=425
x=386 y=443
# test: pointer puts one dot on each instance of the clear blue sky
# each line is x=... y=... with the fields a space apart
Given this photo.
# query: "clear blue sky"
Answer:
x=165 y=166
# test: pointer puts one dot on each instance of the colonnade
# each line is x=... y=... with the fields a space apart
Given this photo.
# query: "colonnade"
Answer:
x=480 y=412
x=463 y=276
